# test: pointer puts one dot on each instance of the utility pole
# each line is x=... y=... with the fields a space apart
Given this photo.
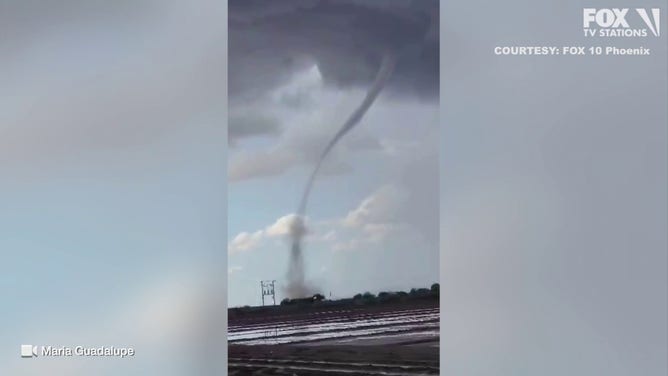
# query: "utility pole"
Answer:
x=268 y=288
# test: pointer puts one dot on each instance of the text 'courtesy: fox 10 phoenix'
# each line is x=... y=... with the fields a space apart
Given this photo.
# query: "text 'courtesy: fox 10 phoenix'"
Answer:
x=615 y=31
x=30 y=351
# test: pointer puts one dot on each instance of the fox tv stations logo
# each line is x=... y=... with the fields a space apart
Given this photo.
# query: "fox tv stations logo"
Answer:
x=621 y=22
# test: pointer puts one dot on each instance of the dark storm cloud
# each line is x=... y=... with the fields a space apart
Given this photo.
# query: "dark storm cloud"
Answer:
x=268 y=40
x=250 y=125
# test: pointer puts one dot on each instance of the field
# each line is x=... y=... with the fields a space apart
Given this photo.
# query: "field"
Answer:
x=399 y=338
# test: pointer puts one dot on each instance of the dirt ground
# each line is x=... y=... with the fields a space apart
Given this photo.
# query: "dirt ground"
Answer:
x=333 y=360
x=405 y=353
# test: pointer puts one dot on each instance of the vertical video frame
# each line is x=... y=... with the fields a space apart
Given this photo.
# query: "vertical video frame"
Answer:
x=333 y=215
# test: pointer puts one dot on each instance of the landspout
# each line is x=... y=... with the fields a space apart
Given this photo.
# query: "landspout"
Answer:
x=297 y=286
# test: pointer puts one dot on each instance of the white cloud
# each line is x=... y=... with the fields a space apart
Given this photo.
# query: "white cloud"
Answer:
x=283 y=226
x=381 y=207
x=377 y=218
x=371 y=222
x=298 y=91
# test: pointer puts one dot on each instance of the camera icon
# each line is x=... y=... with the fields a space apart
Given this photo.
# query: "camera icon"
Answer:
x=28 y=351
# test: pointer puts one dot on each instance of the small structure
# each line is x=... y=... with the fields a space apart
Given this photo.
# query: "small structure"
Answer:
x=268 y=289
x=307 y=300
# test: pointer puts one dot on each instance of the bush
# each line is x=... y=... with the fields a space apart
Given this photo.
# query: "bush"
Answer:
x=435 y=288
x=423 y=292
x=388 y=296
x=402 y=296
x=420 y=293
x=368 y=298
